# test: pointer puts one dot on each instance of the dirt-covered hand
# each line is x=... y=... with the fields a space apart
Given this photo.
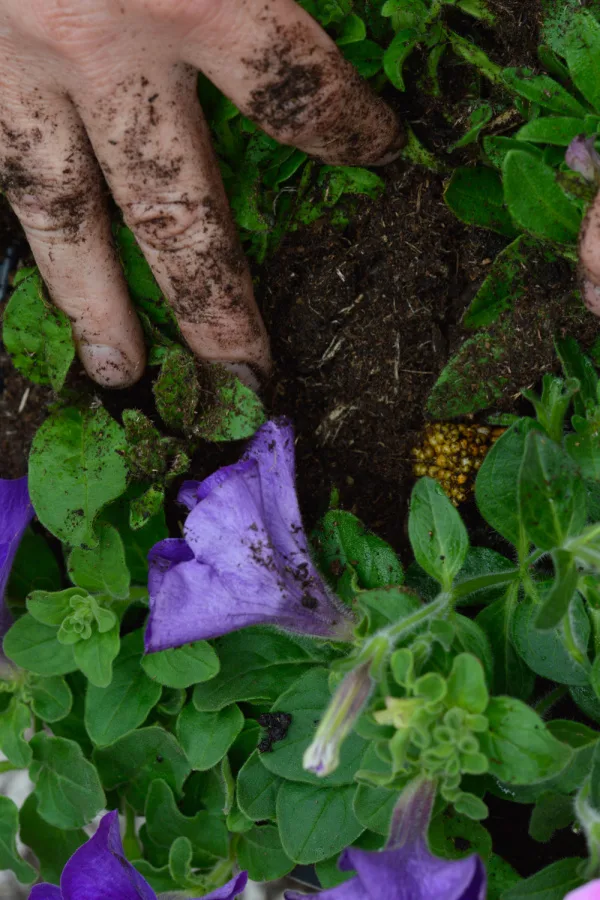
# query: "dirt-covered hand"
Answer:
x=94 y=88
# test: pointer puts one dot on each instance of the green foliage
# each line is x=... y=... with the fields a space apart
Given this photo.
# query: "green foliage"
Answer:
x=76 y=468
x=37 y=335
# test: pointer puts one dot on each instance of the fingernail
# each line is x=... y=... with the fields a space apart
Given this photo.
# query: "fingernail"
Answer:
x=108 y=366
x=394 y=148
x=245 y=373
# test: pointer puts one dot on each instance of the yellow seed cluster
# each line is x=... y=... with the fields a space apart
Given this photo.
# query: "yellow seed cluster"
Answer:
x=452 y=454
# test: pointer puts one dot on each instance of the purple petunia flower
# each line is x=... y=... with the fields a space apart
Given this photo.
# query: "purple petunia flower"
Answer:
x=589 y=891
x=244 y=559
x=405 y=869
x=99 y=870
x=16 y=512
x=582 y=157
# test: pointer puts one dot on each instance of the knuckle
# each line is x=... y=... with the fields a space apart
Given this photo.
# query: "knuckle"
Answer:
x=172 y=10
x=169 y=226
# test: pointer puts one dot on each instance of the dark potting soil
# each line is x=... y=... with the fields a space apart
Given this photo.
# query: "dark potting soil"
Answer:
x=362 y=322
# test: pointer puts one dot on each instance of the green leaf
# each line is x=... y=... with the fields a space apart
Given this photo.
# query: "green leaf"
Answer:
x=583 y=55
x=478 y=119
x=236 y=415
x=511 y=675
x=102 y=568
x=557 y=130
x=366 y=56
x=140 y=280
x=52 y=846
x=14 y=721
x=76 y=467
x=437 y=534
x=476 y=197
x=95 y=656
x=137 y=543
x=37 y=335
x=113 y=711
x=518 y=745
x=547 y=653
x=159 y=878
x=67 y=787
x=315 y=822
x=182 y=666
x=252 y=668
x=465 y=385
x=577 y=365
x=552 y=883
x=34 y=647
x=144 y=508
x=51 y=698
x=397 y=53
x=165 y=824
x=583 y=741
x=256 y=789
x=51 y=607
x=373 y=807
x=466 y=687
x=497 y=485
x=385 y=606
x=544 y=91
x=35 y=568
x=500 y=877
x=497 y=147
x=306 y=702
x=453 y=836
x=207 y=736
x=536 y=201
x=353 y=30
x=562 y=592
x=9 y=857
x=551 y=812
x=136 y=760
x=342 y=540
x=181 y=854
x=551 y=493
x=503 y=285
x=259 y=851
x=177 y=390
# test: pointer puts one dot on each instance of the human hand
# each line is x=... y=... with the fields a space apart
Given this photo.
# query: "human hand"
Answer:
x=109 y=86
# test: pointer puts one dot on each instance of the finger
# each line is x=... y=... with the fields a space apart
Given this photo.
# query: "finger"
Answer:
x=154 y=147
x=54 y=186
x=281 y=69
x=589 y=254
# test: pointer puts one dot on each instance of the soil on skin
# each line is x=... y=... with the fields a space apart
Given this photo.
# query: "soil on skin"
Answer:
x=362 y=322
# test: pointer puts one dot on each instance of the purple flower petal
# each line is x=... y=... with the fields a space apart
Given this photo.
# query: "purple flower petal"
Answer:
x=99 y=869
x=229 y=890
x=406 y=870
x=251 y=562
x=582 y=157
x=16 y=512
x=589 y=891
x=45 y=892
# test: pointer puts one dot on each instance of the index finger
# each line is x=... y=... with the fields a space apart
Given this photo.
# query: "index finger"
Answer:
x=283 y=71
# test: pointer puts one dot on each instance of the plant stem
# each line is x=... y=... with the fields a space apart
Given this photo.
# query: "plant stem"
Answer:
x=480 y=582
x=442 y=604
x=545 y=704
x=6 y=766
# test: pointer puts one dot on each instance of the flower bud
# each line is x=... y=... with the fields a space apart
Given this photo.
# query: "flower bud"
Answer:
x=323 y=755
x=582 y=157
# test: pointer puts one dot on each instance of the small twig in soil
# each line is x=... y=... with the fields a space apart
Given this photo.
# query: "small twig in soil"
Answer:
x=24 y=400
x=331 y=351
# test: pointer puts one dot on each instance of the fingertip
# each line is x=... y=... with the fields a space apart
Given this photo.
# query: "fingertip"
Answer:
x=591 y=296
x=110 y=367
